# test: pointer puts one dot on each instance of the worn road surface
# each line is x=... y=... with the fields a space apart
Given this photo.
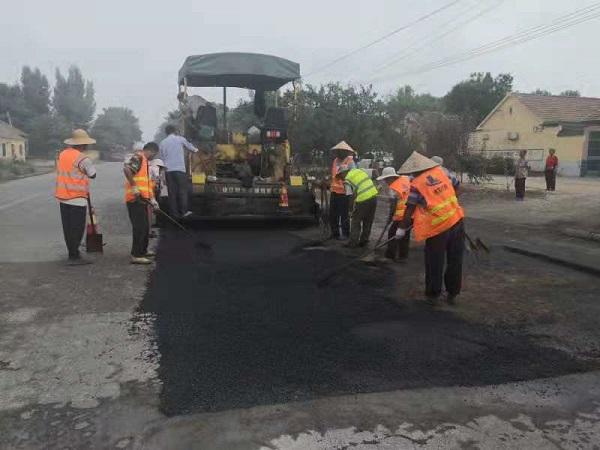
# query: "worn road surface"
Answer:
x=238 y=348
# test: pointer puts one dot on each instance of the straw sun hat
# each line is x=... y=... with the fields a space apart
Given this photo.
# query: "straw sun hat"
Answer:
x=416 y=163
x=80 y=137
x=387 y=172
x=343 y=145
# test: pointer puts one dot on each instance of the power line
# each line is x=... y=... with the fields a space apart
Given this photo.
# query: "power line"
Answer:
x=563 y=22
x=410 y=50
x=383 y=38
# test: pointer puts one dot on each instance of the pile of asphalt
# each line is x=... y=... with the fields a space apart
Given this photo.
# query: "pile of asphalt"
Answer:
x=245 y=324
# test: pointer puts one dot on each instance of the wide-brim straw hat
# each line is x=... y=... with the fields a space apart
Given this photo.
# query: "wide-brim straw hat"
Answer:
x=80 y=137
x=416 y=163
x=343 y=145
x=387 y=172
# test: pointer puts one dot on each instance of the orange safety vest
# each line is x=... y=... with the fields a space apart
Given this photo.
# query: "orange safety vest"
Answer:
x=401 y=187
x=71 y=181
x=142 y=181
x=442 y=211
x=337 y=185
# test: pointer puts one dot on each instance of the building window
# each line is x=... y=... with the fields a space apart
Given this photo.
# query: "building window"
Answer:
x=13 y=151
x=594 y=144
x=21 y=149
x=510 y=110
x=4 y=150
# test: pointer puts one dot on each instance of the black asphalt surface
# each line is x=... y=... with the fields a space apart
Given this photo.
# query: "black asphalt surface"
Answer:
x=245 y=324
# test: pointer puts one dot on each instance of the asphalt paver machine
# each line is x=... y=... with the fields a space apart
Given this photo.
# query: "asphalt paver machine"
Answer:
x=243 y=174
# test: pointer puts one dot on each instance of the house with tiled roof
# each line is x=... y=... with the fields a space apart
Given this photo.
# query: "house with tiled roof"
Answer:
x=13 y=143
x=537 y=123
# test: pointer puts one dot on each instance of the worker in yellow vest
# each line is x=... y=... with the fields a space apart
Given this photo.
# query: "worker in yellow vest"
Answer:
x=139 y=196
x=438 y=220
x=399 y=188
x=73 y=172
x=339 y=205
x=365 y=205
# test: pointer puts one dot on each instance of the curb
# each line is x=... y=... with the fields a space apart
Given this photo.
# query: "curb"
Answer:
x=562 y=262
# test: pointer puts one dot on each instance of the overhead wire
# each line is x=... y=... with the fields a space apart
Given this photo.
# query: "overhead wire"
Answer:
x=569 y=20
x=411 y=49
x=383 y=38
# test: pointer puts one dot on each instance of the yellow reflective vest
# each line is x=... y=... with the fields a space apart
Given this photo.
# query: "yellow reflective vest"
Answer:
x=362 y=185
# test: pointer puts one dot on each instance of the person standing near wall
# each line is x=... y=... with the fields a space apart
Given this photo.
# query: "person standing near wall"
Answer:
x=551 y=169
x=521 y=173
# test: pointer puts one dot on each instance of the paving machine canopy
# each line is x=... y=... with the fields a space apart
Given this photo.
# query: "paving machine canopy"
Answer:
x=243 y=70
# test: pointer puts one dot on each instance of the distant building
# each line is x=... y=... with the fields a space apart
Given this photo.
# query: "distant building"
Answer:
x=537 y=123
x=13 y=143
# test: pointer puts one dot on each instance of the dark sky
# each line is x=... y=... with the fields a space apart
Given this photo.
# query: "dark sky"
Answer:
x=133 y=49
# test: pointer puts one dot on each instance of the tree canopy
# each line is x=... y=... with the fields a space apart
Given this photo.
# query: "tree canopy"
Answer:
x=116 y=127
x=74 y=98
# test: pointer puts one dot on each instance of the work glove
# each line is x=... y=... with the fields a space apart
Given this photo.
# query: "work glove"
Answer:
x=154 y=204
x=400 y=233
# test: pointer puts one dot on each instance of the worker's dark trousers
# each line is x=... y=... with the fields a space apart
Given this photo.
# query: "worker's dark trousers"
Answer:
x=363 y=215
x=339 y=214
x=73 y=222
x=550 y=180
x=398 y=248
x=138 y=215
x=444 y=250
x=520 y=187
x=178 y=185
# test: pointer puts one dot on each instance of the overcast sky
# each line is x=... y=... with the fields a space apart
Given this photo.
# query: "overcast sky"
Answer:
x=133 y=49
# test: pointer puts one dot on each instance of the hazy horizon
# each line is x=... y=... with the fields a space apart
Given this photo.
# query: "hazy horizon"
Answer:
x=132 y=51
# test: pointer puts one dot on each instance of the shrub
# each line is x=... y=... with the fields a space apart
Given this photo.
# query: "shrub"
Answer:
x=11 y=169
x=499 y=165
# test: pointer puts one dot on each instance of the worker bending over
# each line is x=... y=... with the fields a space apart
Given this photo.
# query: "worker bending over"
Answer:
x=437 y=220
x=399 y=186
x=365 y=205
x=339 y=207
x=138 y=197
x=73 y=171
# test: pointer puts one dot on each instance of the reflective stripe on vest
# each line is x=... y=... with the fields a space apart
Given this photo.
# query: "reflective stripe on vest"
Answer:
x=402 y=188
x=142 y=182
x=442 y=211
x=337 y=185
x=71 y=182
x=363 y=186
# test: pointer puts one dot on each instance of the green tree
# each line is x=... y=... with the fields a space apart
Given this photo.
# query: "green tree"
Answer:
x=74 y=98
x=46 y=134
x=570 y=93
x=36 y=91
x=12 y=104
x=115 y=127
x=478 y=95
x=543 y=92
x=406 y=100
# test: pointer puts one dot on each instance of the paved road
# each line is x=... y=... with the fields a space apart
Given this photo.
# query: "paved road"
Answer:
x=237 y=347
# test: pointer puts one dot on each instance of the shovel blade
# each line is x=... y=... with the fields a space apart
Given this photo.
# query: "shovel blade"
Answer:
x=94 y=243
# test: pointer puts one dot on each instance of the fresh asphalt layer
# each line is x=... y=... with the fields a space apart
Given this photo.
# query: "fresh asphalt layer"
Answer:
x=245 y=324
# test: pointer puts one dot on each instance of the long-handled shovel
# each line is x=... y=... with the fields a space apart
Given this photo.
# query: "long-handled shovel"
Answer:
x=93 y=239
x=184 y=229
x=323 y=281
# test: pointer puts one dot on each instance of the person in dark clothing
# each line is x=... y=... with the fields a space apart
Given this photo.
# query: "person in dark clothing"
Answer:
x=521 y=173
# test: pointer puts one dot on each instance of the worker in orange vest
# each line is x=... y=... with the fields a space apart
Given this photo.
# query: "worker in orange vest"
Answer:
x=399 y=188
x=339 y=205
x=73 y=172
x=139 y=196
x=438 y=220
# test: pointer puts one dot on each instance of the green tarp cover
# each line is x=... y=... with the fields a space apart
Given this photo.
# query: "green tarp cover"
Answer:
x=244 y=70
